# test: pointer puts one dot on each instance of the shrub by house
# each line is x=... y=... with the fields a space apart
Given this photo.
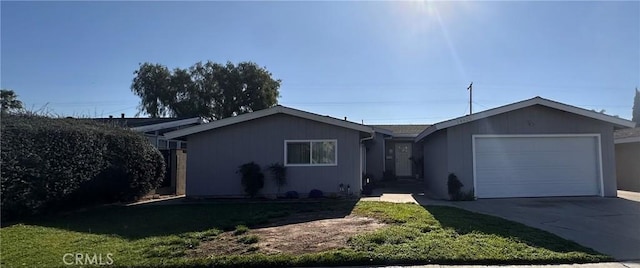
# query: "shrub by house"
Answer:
x=50 y=164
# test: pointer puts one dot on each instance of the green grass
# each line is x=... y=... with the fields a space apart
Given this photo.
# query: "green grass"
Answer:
x=248 y=239
x=240 y=229
x=162 y=236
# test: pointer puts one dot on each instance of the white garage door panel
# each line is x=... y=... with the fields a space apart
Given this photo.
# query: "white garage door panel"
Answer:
x=526 y=166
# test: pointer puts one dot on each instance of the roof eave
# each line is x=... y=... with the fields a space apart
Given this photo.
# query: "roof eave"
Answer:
x=267 y=112
x=617 y=122
x=626 y=140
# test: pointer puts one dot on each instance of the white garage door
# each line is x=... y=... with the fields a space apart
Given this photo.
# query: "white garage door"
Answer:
x=533 y=166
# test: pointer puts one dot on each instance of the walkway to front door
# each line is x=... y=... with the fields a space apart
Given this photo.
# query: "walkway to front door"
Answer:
x=400 y=191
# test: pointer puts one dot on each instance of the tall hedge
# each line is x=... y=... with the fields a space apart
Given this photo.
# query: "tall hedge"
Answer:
x=48 y=164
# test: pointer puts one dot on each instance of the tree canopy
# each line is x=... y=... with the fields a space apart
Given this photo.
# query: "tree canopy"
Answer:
x=209 y=90
x=636 y=108
x=9 y=102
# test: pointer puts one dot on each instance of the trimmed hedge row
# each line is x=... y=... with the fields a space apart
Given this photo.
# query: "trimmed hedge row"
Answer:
x=51 y=164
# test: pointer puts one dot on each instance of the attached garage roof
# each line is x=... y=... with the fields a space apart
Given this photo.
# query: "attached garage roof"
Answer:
x=617 y=122
x=267 y=112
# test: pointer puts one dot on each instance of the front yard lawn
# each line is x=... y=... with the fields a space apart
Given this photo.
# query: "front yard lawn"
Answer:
x=282 y=234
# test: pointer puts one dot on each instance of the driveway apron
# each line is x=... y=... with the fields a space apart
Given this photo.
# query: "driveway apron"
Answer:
x=607 y=225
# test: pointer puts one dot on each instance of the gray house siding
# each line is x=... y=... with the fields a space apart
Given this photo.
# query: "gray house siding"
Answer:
x=530 y=120
x=435 y=164
x=215 y=155
x=375 y=157
x=628 y=166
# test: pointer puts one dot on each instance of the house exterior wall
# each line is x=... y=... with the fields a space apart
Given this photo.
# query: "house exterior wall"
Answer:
x=535 y=119
x=628 y=166
x=435 y=164
x=375 y=157
x=214 y=156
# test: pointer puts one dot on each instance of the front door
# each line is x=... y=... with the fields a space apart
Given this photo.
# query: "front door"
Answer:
x=403 y=159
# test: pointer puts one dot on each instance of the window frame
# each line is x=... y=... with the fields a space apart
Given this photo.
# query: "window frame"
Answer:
x=311 y=164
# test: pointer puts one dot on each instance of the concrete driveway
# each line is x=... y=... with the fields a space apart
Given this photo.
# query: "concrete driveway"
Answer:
x=607 y=225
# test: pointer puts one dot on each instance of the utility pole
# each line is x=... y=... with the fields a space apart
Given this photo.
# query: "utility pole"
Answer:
x=470 y=88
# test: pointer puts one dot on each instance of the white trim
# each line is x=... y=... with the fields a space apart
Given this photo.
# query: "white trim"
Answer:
x=596 y=135
x=267 y=112
x=473 y=166
x=335 y=141
x=601 y=167
x=626 y=140
x=176 y=123
x=522 y=104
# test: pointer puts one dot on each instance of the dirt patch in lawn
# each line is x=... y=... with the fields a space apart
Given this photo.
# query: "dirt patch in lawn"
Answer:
x=297 y=234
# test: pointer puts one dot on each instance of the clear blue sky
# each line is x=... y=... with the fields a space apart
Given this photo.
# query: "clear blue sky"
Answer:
x=381 y=62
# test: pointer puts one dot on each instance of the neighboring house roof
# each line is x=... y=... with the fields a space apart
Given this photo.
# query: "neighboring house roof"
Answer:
x=627 y=135
x=618 y=122
x=152 y=124
x=267 y=112
x=403 y=130
x=137 y=122
x=168 y=124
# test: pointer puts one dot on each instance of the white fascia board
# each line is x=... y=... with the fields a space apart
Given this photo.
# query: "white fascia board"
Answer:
x=584 y=112
x=177 y=123
x=522 y=104
x=626 y=140
x=267 y=112
x=426 y=132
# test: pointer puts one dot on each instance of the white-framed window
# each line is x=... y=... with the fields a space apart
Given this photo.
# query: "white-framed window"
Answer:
x=311 y=152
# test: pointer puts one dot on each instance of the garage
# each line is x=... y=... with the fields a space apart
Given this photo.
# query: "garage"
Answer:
x=537 y=165
x=532 y=148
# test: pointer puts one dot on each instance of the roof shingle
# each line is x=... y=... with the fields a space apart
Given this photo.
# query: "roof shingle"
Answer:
x=404 y=129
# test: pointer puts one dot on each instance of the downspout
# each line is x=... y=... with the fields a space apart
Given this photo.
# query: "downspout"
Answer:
x=364 y=168
x=373 y=135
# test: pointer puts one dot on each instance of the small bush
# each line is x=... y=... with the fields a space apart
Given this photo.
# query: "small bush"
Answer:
x=252 y=178
x=248 y=239
x=240 y=229
x=291 y=195
x=315 y=193
x=279 y=174
x=453 y=186
x=466 y=196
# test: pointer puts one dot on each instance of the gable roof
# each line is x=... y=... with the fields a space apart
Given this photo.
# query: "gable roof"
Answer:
x=267 y=112
x=617 y=122
x=403 y=130
x=627 y=135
